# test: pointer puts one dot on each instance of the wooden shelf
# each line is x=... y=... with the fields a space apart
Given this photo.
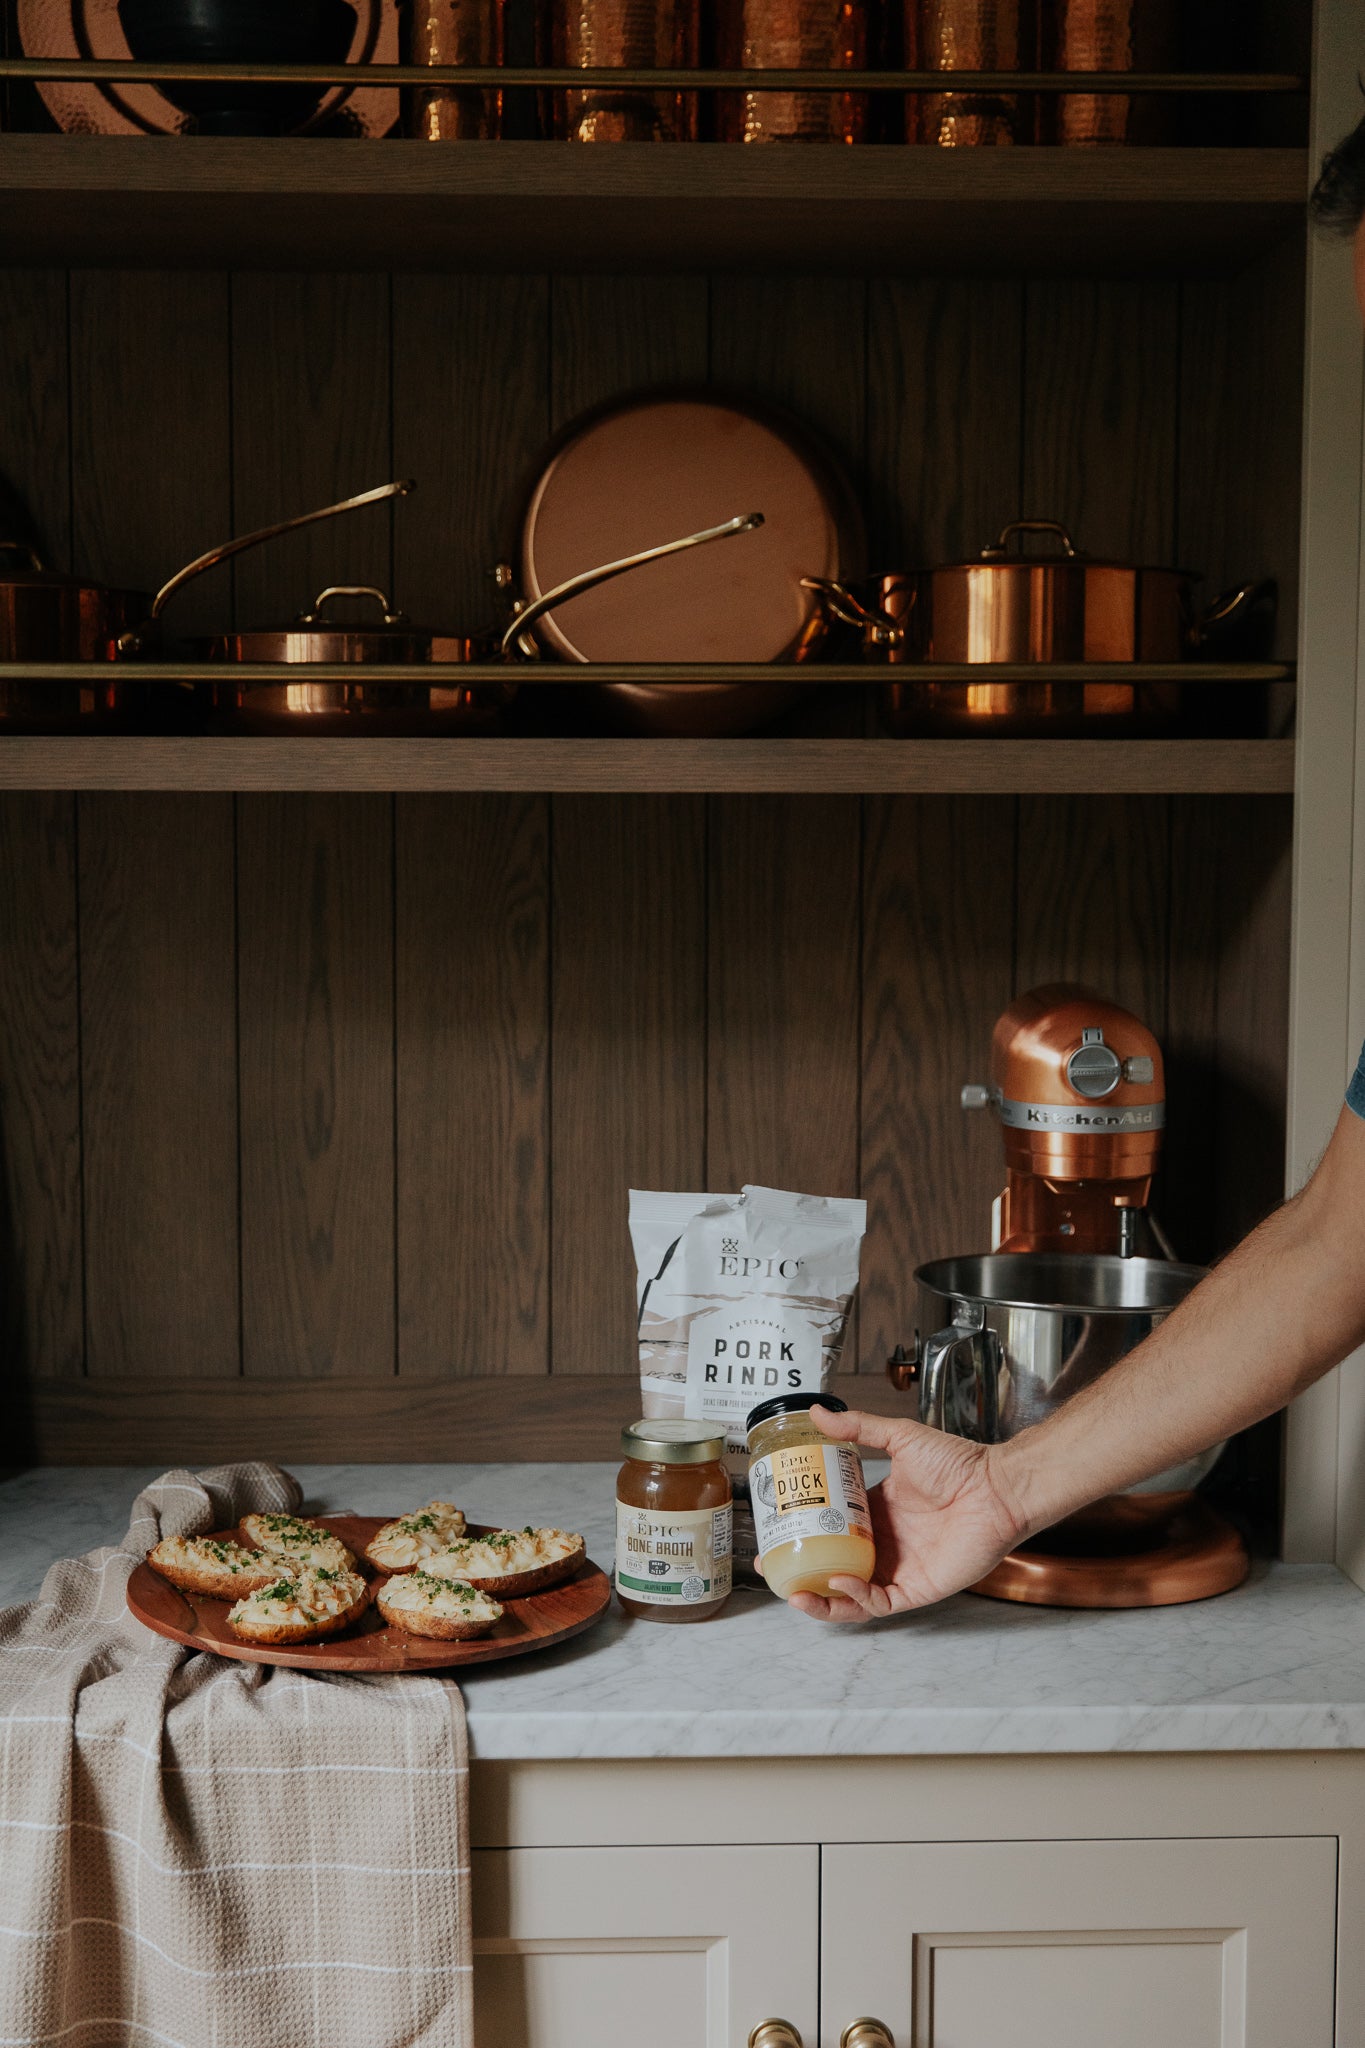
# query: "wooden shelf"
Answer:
x=735 y=766
x=288 y=203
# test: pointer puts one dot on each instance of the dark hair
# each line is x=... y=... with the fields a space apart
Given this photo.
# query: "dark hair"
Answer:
x=1338 y=201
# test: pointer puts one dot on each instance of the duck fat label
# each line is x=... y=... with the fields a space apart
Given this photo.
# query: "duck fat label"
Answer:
x=808 y=1490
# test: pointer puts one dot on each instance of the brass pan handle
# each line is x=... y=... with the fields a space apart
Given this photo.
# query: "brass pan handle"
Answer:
x=867 y=2034
x=225 y=551
x=574 y=586
x=775 y=2034
x=30 y=554
x=313 y=615
x=880 y=629
x=1053 y=526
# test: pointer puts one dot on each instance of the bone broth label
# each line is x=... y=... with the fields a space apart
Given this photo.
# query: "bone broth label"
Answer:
x=741 y=1297
x=662 y=1559
x=808 y=1490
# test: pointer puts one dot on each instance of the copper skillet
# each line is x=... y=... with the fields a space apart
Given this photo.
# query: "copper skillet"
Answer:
x=370 y=702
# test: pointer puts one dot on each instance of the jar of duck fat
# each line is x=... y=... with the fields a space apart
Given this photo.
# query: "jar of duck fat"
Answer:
x=809 y=1500
x=673 y=1545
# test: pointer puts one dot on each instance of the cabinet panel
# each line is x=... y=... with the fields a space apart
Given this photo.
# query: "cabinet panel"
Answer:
x=1190 y=1944
x=677 y=1948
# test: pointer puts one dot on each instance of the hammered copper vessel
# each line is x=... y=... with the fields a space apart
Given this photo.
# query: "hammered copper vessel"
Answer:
x=970 y=35
x=823 y=35
x=452 y=32
x=1108 y=35
x=625 y=32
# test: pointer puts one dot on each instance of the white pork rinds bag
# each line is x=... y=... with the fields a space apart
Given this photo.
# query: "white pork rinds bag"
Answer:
x=741 y=1297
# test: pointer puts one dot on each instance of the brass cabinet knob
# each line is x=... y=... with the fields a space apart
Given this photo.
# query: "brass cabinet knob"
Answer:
x=866 y=2034
x=775 y=2034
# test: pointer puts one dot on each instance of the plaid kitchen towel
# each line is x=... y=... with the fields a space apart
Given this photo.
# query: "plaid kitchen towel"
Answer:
x=198 y=1853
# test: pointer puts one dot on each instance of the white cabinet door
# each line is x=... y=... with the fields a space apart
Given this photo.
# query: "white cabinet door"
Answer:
x=643 y=1948
x=1166 y=1944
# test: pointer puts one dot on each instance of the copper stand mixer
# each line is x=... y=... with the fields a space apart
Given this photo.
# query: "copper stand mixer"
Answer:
x=1066 y=1291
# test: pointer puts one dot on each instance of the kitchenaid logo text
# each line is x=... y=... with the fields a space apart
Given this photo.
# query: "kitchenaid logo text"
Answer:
x=1147 y=1116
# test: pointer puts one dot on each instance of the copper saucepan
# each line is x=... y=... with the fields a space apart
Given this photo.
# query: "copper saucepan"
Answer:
x=45 y=616
x=1064 y=607
x=372 y=702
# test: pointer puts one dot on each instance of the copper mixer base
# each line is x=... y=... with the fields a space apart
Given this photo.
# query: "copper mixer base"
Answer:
x=1193 y=1554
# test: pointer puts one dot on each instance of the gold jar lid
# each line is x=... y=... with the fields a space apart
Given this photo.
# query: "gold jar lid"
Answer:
x=674 y=1440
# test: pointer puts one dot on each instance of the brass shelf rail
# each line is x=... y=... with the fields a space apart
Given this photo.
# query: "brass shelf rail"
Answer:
x=106 y=70
x=816 y=674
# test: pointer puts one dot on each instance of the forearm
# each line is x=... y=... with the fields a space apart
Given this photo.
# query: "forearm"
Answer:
x=1280 y=1310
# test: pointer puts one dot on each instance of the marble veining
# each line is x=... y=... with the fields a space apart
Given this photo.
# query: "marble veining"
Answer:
x=1278 y=1665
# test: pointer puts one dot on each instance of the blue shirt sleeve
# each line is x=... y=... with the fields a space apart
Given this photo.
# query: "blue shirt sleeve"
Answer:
x=1355 y=1094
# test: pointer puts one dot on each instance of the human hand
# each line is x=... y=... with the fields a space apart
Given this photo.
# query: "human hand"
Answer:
x=941 y=1518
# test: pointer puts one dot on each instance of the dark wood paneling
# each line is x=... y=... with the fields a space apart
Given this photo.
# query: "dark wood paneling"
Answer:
x=1100 y=380
x=481 y=1421
x=149 y=417
x=315 y=1007
x=42 y=1321
x=611 y=334
x=945 y=416
x=1185 y=1196
x=159 y=1079
x=628 y=1050
x=471 y=393
x=802 y=347
x=35 y=452
x=782 y=994
x=472 y=988
x=1093 y=877
x=310 y=425
x=938 y=933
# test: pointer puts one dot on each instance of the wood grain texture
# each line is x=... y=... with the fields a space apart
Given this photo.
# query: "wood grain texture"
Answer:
x=1185 y=1196
x=628 y=1051
x=1253 y=1010
x=937 y=970
x=310 y=425
x=476 y=1421
x=615 y=334
x=520 y=206
x=783 y=994
x=793 y=343
x=470 y=413
x=1092 y=898
x=1100 y=419
x=472 y=989
x=945 y=396
x=315 y=1022
x=35 y=426
x=880 y=766
x=152 y=486
x=43 y=1318
x=159 y=1079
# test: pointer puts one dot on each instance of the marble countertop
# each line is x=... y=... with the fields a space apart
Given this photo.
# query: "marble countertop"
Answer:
x=1278 y=1665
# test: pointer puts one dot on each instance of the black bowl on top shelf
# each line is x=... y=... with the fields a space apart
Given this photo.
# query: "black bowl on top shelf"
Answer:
x=240 y=32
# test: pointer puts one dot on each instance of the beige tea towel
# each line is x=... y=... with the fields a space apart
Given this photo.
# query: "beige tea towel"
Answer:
x=198 y=1853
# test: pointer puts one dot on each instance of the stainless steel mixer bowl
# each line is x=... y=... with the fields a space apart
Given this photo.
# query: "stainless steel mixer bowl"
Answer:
x=1014 y=1334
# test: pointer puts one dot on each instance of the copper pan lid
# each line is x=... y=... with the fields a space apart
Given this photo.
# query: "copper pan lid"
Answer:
x=655 y=465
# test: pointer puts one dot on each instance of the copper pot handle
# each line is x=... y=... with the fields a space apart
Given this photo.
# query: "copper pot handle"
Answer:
x=574 y=586
x=30 y=554
x=880 y=628
x=1054 y=526
x=313 y=615
x=1228 y=608
x=228 y=548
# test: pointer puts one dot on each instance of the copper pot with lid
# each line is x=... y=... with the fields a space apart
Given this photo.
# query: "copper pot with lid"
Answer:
x=1060 y=608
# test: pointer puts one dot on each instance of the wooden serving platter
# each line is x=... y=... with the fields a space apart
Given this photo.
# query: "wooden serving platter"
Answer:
x=536 y=1623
